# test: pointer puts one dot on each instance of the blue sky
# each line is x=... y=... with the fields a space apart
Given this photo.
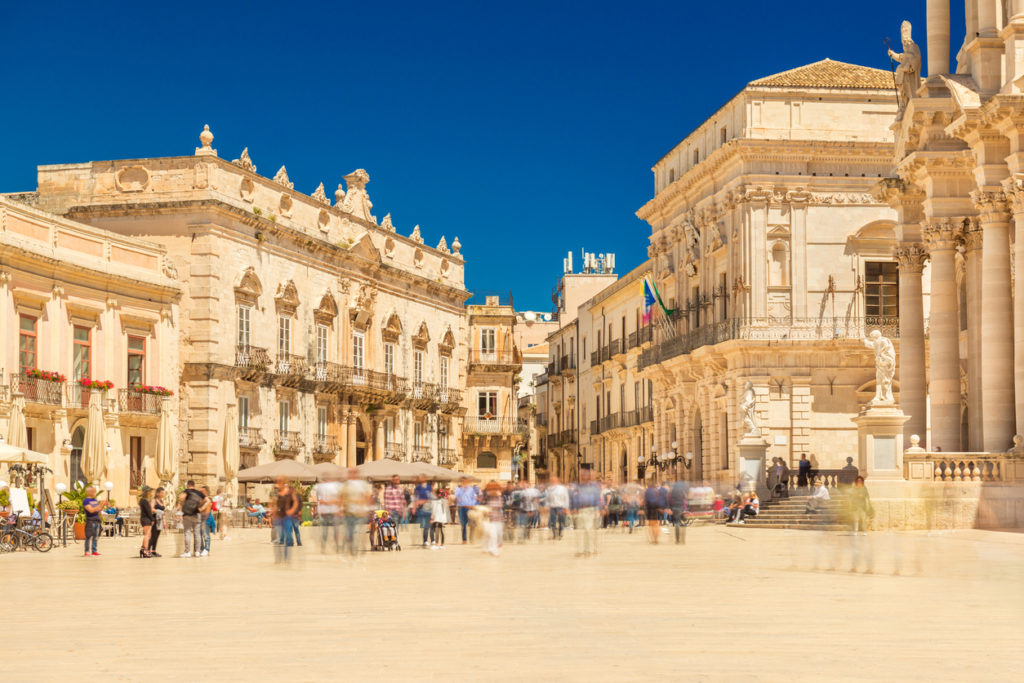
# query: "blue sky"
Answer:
x=526 y=129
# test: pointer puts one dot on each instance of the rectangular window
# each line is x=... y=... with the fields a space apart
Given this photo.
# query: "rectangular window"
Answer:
x=488 y=344
x=584 y=347
x=82 y=353
x=358 y=357
x=322 y=335
x=622 y=398
x=389 y=358
x=243 y=412
x=136 y=360
x=282 y=416
x=27 y=343
x=881 y=289
x=723 y=291
x=636 y=396
x=284 y=335
x=444 y=371
x=244 y=325
x=417 y=366
x=136 y=472
x=417 y=434
x=487 y=404
x=321 y=422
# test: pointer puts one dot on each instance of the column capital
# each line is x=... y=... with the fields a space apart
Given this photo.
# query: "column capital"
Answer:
x=899 y=194
x=972 y=236
x=992 y=206
x=1013 y=187
x=942 y=234
x=911 y=258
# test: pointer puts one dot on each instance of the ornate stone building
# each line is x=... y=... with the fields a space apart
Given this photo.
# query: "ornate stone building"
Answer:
x=958 y=188
x=775 y=259
x=332 y=335
x=492 y=431
x=81 y=304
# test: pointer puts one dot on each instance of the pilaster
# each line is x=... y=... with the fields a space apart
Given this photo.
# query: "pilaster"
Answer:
x=913 y=368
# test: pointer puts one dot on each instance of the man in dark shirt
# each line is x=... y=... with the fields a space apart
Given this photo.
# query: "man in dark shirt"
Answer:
x=286 y=510
x=191 y=500
x=93 y=524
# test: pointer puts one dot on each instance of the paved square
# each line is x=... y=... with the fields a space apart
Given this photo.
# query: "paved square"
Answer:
x=730 y=604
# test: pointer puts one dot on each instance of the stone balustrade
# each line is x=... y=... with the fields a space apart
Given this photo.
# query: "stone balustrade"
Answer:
x=963 y=466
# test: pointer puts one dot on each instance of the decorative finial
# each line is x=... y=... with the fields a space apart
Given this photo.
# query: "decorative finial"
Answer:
x=456 y=246
x=387 y=224
x=415 y=236
x=244 y=161
x=206 y=139
x=339 y=195
x=320 y=195
x=281 y=178
x=442 y=246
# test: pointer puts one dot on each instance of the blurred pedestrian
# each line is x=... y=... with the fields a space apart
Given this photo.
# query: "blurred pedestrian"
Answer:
x=146 y=519
x=438 y=510
x=466 y=497
x=285 y=511
x=558 y=503
x=190 y=501
x=586 y=506
x=394 y=499
x=328 y=505
x=678 y=500
x=422 y=496
x=356 y=501
x=93 y=523
x=158 y=523
x=495 y=518
x=207 y=520
x=861 y=510
x=654 y=504
x=803 y=471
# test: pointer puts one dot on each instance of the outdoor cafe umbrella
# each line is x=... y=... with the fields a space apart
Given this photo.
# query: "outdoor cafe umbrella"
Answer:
x=165 y=464
x=269 y=472
x=438 y=473
x=329 y=469
x=231 y=455
x=94 y=452
x=16 y=455
x=384 y=470
x=17 y=435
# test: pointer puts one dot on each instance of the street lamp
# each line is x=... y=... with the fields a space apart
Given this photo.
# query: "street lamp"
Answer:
x=60 y=488
x=641 y=468
x=109 y=486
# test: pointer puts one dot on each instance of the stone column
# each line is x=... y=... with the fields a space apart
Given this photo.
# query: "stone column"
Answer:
x=937 y=16
x=973 y=237
x=998 y=416
x=352 y=439
x=378 y=439
x=944 y=349
x=1015 y=192
x=913 y=393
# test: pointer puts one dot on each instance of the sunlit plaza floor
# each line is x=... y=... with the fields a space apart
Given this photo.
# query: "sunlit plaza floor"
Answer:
x=731 y=603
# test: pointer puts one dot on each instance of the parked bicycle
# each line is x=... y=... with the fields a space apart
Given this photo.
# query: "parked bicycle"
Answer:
x=12 y=537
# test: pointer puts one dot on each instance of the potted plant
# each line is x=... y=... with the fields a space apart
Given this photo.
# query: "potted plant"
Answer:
x=73 y=499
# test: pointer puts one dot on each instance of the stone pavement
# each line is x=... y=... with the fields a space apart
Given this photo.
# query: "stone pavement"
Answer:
x=732 y=603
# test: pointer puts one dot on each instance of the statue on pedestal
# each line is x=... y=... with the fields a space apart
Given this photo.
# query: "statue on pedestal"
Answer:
x=908 y=74
x=885 y=367
x=747 y=403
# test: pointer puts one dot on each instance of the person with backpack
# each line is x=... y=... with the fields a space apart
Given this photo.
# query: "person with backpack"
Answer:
x=207 y=521
x=191 y=501
x=678 y=500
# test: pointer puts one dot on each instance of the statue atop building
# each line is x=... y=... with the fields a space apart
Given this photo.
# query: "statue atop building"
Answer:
x=908 y=73
x=885 y=367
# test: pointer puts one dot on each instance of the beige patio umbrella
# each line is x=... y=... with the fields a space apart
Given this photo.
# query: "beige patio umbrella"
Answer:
x=165 y=463
x=94 y=450
x=17 y=435
x=231 y=455
x=16 y=455
x=269 y=472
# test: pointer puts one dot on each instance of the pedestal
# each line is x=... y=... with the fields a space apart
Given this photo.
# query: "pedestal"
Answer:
x=880 y=441
x=752 y=469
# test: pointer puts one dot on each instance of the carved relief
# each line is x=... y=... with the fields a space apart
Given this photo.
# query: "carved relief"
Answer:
x=284 y=207
x=389 y=247
x=324 y=220
x=415 y=236
x=244 y=161
x=442 y=246
x=445 y=267
x=287 y=297
x=422 y=336
x=417 y=258
x=249 y=287
x=387 y=224
x=912 y=258
x=132 y=179
x=246 y=190
x=281 y=178
x=392 y=329
x=320 y=196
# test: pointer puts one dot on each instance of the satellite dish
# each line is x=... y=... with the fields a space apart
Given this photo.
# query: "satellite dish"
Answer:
x=530 y=315
x=547 y=317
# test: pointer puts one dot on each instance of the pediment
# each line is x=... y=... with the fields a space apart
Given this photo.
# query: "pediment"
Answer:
x=364 y=249
x=249 y=286
x=287 y=297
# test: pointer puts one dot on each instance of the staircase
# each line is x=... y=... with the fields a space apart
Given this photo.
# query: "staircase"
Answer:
x=788 y=513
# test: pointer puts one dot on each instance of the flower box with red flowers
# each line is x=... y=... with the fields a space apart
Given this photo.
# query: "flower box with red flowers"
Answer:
x=147 y=389
x=45 y=375
x=100 y=384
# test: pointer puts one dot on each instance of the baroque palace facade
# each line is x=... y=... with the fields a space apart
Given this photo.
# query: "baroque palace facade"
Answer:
x=775 y=259
x=331 y=335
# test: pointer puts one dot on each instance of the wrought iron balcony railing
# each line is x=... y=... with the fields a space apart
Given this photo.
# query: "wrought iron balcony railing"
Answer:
x=447 y=457
x=495 y=425
x=37 y=390
x=422 y=454
x=130 y=401
x=646 y=414
x=290 y=364
x=492 y=357
x=79 y=396
x=325 y=443
x=394 y=451
x=250 y=438
x=287 y=442
x=251 y=357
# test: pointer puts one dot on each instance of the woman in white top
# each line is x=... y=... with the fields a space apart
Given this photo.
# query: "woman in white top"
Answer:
x=439 y=516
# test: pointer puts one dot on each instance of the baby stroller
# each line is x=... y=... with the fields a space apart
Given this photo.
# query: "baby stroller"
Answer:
x=383 y=531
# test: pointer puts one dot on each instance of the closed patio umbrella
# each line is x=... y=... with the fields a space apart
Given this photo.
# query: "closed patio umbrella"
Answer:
x=94 y=451
x=231 y=454
x=165 y=460
x=17 y=435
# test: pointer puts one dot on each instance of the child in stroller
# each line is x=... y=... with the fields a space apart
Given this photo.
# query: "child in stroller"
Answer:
x=383 y=531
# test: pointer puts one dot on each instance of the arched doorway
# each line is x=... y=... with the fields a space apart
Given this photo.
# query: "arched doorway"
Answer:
x=75 y=473
x=698 y=447
x=360 y=443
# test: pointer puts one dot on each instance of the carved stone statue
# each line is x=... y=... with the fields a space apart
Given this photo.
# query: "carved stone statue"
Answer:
x=885 y=367
x=244 y=161
x=692 y=239
x=908 y=74
x=747 y=404
x=281 y=178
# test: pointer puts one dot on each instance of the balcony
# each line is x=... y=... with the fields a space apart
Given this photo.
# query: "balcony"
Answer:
x=495 y=425
x=641 y=336
x=450 y=399
x=595 y=427
x=290 y=368
x=37 y=390
x=615 y=347
x=567 y=436
x=422 y=454
x=79 y=396
x=423 y=393
x=394 y=451
x=325 y=443
x=542 y=419
x=336 y=378
x=447 y=457
x=765 y=331
x=492 y=357
x=630 y=418
x=5 y=393
x=251 y=361
x=646 y=414
x=608 y=422
x=249 y=438
x=130 y=401
x=287 y=443
x=542 y=379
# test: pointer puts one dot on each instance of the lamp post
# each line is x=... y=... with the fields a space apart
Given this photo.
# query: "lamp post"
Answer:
x=108 y=486
x=641 y=468
x=60 y=488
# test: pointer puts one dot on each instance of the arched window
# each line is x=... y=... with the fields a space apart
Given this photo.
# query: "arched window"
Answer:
x=487 y=461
